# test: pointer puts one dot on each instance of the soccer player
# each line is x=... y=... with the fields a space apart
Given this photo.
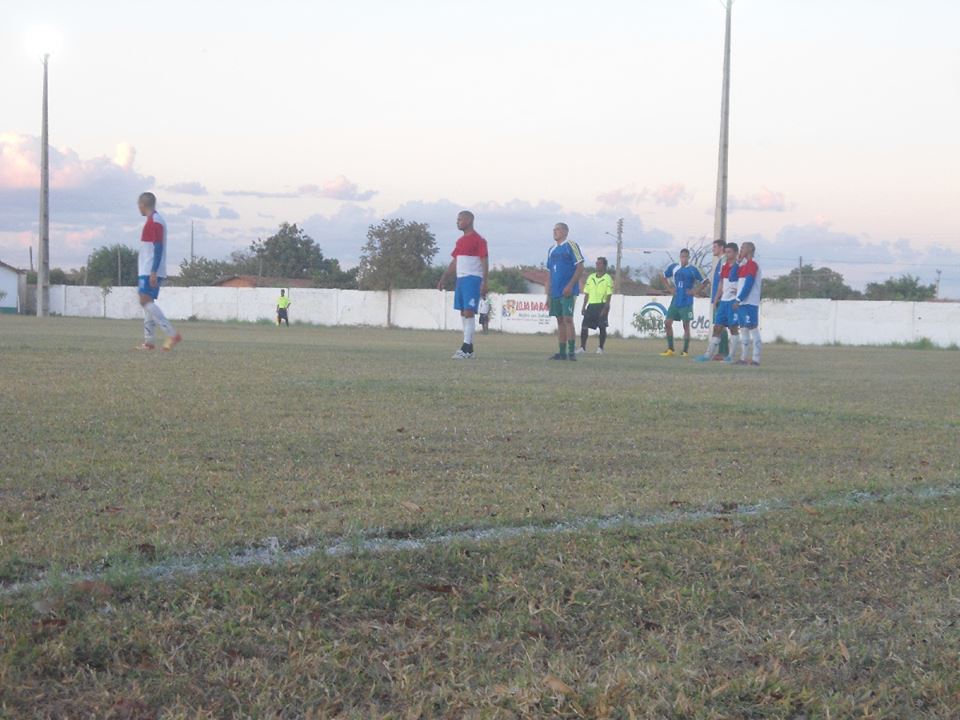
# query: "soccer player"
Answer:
x=597 y=291
x=714 y=284
x=685 y=278
x=565 y=263
x=747 y=304
x=724 y=294
x=484 y=312
x=471 y=264
x=282 y=304
x=152 y=272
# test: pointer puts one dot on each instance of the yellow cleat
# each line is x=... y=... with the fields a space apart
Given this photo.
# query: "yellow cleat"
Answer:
x=684 y=354
x=667 y=353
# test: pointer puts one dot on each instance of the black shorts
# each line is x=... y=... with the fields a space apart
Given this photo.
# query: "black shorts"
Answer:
x=594 y=317
x=282 y=314
x=484 y=318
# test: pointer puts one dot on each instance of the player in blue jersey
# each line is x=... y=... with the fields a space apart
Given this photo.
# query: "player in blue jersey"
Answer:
x=565 y=263
x=718 y=260
x=724 y=295
x=685 y=278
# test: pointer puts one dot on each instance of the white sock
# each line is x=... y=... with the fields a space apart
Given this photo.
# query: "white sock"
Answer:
x=469 y=325
x=744 y=343
x=149 y=327
x=734 y=345
x=756 y=345
x=160 y=319
x=712 y=346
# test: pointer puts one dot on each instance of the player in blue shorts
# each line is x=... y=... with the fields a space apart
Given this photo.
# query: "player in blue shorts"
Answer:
x=471 y=263
x=747 y=304
x=152 y=272
x=685 y=278
x=726 y=315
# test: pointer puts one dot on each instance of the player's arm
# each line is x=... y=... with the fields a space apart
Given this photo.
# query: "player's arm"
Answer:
x=745 y=287
x=577 y=274
x=606 y=303
x=697 y=282
x=485 y=261
x=451 y=268
x=158 y=242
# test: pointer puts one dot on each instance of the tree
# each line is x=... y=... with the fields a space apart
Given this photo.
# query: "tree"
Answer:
x=507 y=280
x=333 y=276
x=289 y=253
x=397 y=254
x=807 y=282
x=906 y=287
x=202 y=271
x=102 y=265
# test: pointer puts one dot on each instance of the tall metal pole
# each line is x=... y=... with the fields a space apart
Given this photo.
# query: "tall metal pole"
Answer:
x=616 y=278
x=720 y=213
x=43 y=256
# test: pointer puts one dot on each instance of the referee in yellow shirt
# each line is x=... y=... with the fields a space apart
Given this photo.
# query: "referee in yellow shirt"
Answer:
x=282 y=304
x=596 y=305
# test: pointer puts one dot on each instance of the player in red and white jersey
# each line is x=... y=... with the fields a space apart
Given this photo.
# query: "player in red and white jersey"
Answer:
x=471 y=264
x=152 y=272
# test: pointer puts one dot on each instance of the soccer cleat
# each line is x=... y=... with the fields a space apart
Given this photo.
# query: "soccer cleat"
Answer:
x=684 y=353
x=572 y=357
x=581 y=351
x=145 y=346
x=558 y=356
x=170 y=342
x=667 y=353
x=741 y=362
x=728 y=360
x=461 y=355
x=599 y=351
x=703 y=358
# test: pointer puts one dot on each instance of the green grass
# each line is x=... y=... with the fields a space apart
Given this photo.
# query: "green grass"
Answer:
x=114 y=459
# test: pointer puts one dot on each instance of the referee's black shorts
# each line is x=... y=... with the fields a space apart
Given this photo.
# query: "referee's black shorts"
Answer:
x=594 y=318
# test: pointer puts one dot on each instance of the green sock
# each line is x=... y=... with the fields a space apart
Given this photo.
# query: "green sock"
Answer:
x=563 y=349
x=686 y=343
x=670 y=343
x=571 y=346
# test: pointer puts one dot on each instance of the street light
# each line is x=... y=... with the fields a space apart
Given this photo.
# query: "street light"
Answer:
x=42 y=42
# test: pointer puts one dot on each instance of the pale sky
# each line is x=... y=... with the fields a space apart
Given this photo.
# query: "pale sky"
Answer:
x=844 y=141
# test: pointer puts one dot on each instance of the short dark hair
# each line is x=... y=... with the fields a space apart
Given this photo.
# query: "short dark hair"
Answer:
x=685 y=251
x=603 y=260
x=719 y=242
x=148 y=199
x=731 y=246
x=467 y=213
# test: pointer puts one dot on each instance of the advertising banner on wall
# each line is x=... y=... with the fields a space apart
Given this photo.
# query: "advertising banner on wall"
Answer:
x=647 y=317
x=525 y=314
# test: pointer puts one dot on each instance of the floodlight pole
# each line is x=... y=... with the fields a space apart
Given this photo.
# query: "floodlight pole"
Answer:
x=43 y=256
x=616 y=280
x=720 y=213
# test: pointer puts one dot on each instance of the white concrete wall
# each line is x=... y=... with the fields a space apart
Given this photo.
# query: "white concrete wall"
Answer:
x=809 y=322
x=10 y=285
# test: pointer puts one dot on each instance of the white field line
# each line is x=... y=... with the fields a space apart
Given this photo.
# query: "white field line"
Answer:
x=271 y=553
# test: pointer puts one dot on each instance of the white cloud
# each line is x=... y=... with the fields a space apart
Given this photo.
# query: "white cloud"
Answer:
x=669 y=195
x=187 y=188
x=199 y=212
x=340 y=188
x=226 y=213
x=764 y=201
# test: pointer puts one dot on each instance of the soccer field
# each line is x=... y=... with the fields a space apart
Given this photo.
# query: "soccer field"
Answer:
x=821 y=599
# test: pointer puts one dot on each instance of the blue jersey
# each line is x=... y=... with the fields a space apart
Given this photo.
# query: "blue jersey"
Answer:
x=562 y=261
x=684 y=279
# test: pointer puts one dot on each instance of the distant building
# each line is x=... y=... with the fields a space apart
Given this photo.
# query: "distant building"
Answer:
x=252 y=281
x=13 y=289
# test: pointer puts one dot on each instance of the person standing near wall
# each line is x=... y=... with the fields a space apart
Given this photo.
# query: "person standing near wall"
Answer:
x=471 y=263
x=685 y=277
x=725 y=294
x=283 y=305
x=152 y=272
x=565 y=264
x=483 y=310
x=597 y=291
x=714 y=284
x=747 y=304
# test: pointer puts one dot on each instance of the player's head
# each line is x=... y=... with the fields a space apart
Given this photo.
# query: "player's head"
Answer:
x=731 y=250
x=601 y=265
x=684 y=257
x=465 y=221
x=560 y=232
x=748 y=250
x=281 y=293
x=147 y=202
x=718 y=246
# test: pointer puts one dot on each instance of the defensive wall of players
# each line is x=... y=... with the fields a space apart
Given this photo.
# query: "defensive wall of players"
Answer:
x=808 y=322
